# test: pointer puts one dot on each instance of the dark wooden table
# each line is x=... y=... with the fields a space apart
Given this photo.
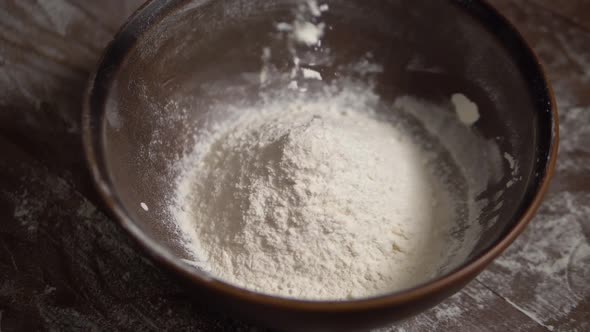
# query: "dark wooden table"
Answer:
x=64 y=265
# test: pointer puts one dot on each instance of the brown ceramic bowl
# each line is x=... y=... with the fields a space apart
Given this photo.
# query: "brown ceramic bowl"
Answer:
x=147 y=91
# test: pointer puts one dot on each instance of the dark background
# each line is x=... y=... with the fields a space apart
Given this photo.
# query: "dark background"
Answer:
x=64 y=265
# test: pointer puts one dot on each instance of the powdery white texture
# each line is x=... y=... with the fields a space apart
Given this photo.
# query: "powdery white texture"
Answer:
x=311 y=74
x=467 y=111
x=284 y=27
x=314 y=9
x=315 y=200
x=306 y=32
x=511 y=162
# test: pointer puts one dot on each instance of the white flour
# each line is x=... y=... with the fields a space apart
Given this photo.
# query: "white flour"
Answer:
x=317 y=200
x=317 y=196
x=308 y=33
x=466 y=110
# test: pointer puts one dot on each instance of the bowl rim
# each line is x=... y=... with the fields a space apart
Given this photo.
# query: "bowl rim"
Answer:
x=96 y=161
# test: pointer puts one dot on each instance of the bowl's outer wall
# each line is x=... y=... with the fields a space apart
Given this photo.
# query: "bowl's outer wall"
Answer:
x=147 y=89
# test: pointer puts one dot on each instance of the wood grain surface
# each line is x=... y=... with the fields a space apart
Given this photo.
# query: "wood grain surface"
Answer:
x=64 y=265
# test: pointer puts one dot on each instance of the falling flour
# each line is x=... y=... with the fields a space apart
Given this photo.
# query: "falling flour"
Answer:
x=467 y=111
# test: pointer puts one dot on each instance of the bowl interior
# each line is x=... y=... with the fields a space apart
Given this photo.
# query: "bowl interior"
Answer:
x=175 y=60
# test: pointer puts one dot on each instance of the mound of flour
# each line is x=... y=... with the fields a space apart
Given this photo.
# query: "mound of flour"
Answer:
x=314 y=199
